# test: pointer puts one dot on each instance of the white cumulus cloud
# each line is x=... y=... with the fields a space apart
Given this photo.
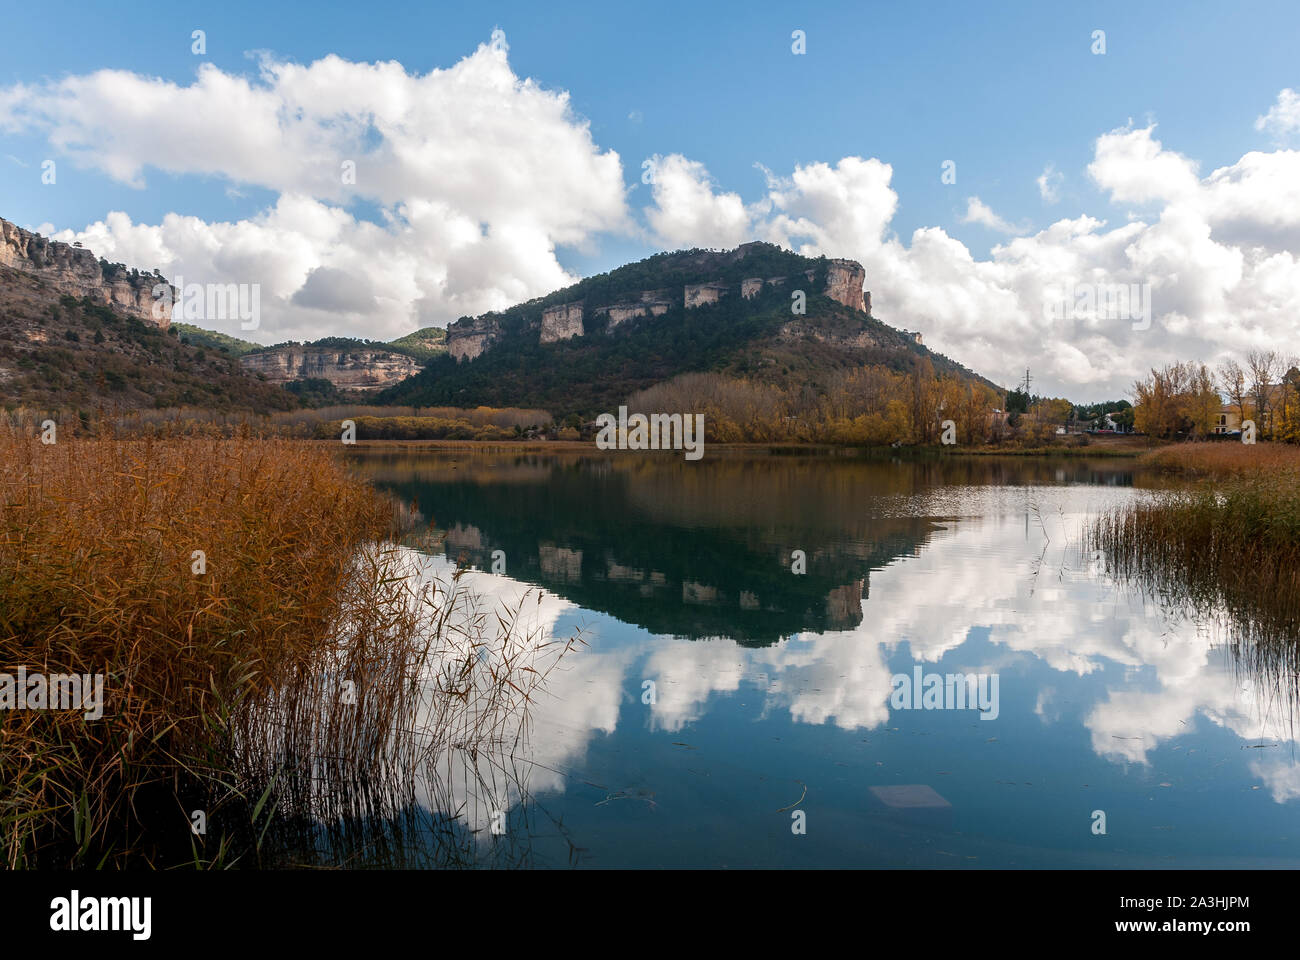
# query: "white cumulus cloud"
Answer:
x=477 y=176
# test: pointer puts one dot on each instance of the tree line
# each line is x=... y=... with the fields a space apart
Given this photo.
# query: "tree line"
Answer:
x=1187 y=399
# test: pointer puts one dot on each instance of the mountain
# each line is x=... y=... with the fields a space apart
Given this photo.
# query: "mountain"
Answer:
x=586 y=348
x=61 y=352
x=336 y=363
x=423 y=344
x=73 y=270
x=346 y=364
x=78 y=333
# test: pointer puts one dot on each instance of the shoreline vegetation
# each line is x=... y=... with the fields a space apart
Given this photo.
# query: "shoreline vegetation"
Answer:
x=1225 y=537
x=519 y=429
x=272 y=658
x=1100 y=450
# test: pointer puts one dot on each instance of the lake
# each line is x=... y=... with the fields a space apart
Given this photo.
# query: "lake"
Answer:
x=754 y=624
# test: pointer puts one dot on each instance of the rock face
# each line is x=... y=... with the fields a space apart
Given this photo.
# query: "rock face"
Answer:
x=562 y=322
x=801 y=329
x=698 y=294
x=844 y=279
x=347 y=369
x=76 y=271
x=647 y=306
x=470 y=336
x=650 y=303
x=750 y=288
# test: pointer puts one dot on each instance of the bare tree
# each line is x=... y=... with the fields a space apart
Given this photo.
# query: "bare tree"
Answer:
x=1232 y=384
x=1264 y=368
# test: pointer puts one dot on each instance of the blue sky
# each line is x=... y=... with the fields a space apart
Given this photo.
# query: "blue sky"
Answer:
x=1003 y=94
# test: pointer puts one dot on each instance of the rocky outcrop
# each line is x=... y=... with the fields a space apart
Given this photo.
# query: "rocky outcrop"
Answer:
x=621 y=312
x=751 y=287
x=698 y=294
x=347 y=368
x=470 y=336
x=77 y=272
x=844 y=279
x=562 y=322
x=859 y=339
x=653 y=303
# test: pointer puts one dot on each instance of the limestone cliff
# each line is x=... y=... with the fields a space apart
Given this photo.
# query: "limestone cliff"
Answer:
x=561 y=322
x=76 y=271
x=698 y=294
x=470 y=336
x=651 y=304
x=844 y=280
x=347 y=369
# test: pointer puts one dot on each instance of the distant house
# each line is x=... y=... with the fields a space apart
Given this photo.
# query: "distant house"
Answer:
x=1107 y=424
x=1229 y=418
x=1228 y=421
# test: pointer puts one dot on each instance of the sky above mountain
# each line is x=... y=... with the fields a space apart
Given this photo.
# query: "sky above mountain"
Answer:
x=384 y=167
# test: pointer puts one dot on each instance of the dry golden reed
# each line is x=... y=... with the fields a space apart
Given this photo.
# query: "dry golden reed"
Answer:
x=1223 y=459
x=254 y=625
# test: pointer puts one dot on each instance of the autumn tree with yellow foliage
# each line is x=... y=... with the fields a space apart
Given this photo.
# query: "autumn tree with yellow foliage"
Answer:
x=864 y=406
x=1179 y=399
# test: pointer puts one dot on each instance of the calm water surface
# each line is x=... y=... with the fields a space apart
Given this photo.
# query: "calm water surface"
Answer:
x=722 y=698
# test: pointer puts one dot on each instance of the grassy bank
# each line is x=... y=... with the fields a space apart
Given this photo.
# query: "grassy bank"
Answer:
x=255 y=638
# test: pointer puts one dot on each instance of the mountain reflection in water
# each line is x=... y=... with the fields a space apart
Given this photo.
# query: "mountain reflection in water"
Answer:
x=721 y=695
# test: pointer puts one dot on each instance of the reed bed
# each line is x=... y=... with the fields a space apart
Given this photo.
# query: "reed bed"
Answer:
x=1225 y=542
x=298 y=680
x=1222 y=460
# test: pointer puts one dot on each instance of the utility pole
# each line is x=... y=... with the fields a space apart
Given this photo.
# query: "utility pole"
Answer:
x=1028 y=380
